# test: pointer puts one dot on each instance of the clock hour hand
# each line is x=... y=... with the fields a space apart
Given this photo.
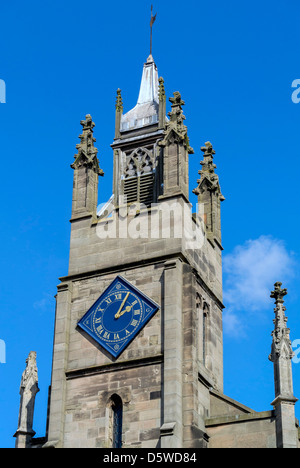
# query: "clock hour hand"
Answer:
x=121 y=307
x=127 y=309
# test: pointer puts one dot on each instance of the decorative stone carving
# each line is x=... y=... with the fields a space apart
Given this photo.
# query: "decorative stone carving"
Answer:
x=140 y=161
x=119 y=102
x=146 y=166
x=28 y=390
x=209 y=195
x=87 y=153
x=161 y=89
x=162 y=103
x=130 y=169
x=175 y=130
x=281 y=345
x=119 y=112
x=207 y=172
x=281 y=356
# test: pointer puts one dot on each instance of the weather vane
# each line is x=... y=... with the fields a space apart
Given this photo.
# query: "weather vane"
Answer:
x=153 y=18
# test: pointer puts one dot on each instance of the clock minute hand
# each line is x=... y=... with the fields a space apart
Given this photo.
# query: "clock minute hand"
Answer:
x=121 y=307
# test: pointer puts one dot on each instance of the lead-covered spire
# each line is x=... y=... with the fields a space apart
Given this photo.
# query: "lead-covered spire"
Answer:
x=147 y=108
x=149 y=83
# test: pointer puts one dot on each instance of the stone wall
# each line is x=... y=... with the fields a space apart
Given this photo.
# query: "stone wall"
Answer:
x=87 y=408
x=255 y=430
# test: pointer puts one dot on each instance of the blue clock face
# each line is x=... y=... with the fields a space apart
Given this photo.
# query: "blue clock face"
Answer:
x=117 y=316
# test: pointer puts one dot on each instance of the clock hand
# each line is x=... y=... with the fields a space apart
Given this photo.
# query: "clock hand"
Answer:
x=127 y=309
x=121 y=307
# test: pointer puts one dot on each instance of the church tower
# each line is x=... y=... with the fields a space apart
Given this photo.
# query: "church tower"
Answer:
x=138 y=328
x=138 y=341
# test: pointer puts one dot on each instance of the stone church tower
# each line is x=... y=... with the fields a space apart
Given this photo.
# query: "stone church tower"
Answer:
x=138 y=347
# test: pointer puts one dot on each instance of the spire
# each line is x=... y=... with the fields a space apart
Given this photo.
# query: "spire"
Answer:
x=119 y=112
x=86 y=171
x=149 y=83
x=161 y=90
x=207 y=172
x=119 y=102
x=281 y=345
x=162 y=103
x=209 y=195
x=281 y=355
x=146 y=110
x=176 y=148
x=175 y=128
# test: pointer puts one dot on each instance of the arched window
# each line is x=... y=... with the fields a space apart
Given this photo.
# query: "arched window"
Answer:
x=205 y=330
x=200 y=337
x=116 y=419
x=202 y=309
x=138 y=179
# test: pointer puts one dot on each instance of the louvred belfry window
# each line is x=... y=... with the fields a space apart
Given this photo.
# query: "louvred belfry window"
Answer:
x=139 y=189
x=139 y=177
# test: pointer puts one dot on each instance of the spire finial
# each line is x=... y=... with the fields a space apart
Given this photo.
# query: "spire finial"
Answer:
x=281 y=338
x=209 y=195
x=281 y=355
x=208 y=170
x=161 y=89
x=119 y=102
x=278 y=293
x=87 y=152
x=153 y=18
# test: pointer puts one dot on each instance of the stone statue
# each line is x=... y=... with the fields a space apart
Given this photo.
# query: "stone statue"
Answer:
x=28 y=390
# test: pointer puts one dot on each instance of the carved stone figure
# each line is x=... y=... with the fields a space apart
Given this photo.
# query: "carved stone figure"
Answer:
x=28 y=390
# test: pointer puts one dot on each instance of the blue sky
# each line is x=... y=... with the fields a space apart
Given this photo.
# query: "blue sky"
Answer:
x=234 y=63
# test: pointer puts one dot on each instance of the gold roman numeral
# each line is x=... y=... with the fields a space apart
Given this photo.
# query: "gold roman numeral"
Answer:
x=134 y=323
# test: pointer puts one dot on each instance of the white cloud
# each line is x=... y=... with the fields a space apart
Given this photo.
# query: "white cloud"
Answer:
x=43 y=303
x=232 y=324
x=250 y=272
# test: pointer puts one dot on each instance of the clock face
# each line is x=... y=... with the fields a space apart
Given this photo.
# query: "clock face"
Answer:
x=117 y=316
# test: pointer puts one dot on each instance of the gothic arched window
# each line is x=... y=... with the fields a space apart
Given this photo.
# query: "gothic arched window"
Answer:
x=138 y=180
x=205 y=330
x=116 y=421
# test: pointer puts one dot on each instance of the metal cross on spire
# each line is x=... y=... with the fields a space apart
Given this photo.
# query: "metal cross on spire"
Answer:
x=153 y=18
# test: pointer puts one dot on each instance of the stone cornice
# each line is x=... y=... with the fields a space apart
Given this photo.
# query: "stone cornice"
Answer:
x=113 y=367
